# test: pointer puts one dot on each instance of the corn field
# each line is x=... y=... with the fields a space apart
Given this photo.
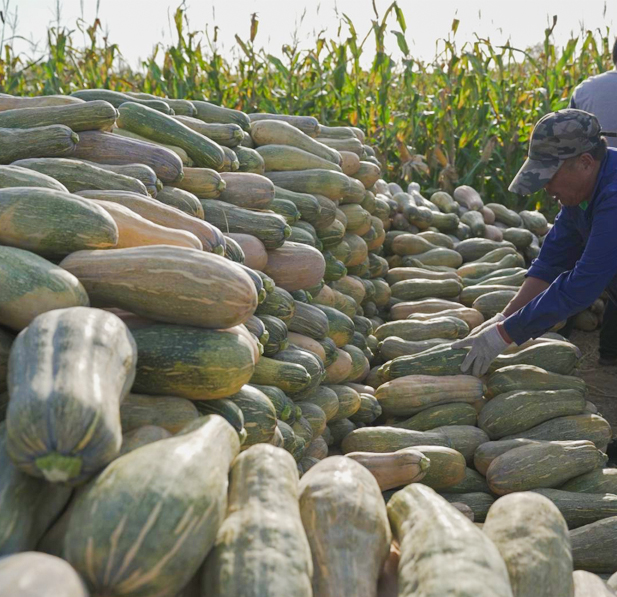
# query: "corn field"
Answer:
x=462 y=118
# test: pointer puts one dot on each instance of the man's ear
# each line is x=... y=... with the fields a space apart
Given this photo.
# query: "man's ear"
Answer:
x=586 y=160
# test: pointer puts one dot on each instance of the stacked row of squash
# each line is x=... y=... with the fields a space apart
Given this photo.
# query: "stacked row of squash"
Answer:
x=170 y=259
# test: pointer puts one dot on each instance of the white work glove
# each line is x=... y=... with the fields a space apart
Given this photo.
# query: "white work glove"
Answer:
x=485 y=346
x=495 y=319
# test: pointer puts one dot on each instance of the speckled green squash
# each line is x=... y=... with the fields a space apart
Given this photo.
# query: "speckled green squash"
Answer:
x=68 y=374
x=44 y=141
x=32 y=573
x=259 y=415
x=581 y=509
x=532 y=537
x=453 y=413
x=169 y=412
x=594 y=546
x=28 y=506
x=160 y=508
x=346 y=524
x=289 y=377
x=31 y=285
x=285 y=408
x=205 y=289
x=478 y=502
x=263 y=502
x=14 y=176
x=192 y=362
x=512 y=412
x=53 y=223
x=435 y=538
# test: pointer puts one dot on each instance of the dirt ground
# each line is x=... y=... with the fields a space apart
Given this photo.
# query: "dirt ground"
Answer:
x=601 y=381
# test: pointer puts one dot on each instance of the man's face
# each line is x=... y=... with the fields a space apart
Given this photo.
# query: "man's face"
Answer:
x=570 y=184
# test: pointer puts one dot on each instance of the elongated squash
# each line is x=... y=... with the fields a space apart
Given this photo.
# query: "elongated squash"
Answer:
x=601 y=480
x=554 y=356
x=131 y=279
x=464 y=439
x=289 y=377
x=581 y=509
x=294 y=266
x=263 y=499
x=15 y=176
x=225 y=134
x=53 y=223
x=542 y=465
x=68 y=374
x=435 y=537
x=184 y=201
x=76 y=175
x=78 y=117
x=570 y=428
x=413 y=330
x=594 y=547
x=258 y=413
x=346 y=524
x=10 y=102
x=47 y=141
x=409 y=395
x=529 y=377
x=28 y=505
x=160 y=214
x=116 y=98
x=452 y=413
x=161 y=127
x=192 y=362
x=390 y=439
x=168 y=412
x=109 y=148
x=532 y=537
x=394 y=469
x=166 y=476
x=510 y=413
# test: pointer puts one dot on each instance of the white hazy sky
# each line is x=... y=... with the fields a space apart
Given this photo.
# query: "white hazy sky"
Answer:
x=137 y=25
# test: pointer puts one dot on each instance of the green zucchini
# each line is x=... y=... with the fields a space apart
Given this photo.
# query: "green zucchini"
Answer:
x=330 y=349
x=324 y=397
x=278 y=303
x=78 y=117
x=225 y=134
x=270 y=228
x=310 y=321
x=194 y=363
x=440 y=360
x=164 y=129
x=233 y=251
x=227 y=409
x=15 y=176
x=284 y=406
x=369 y=410
x=289 y=377
x=259 y=415
x=55 y=140
x=287 y=209
x=76 y=175
x=249 y=160
x=179 y=106
x=311 y=362
x=452 y=413
x=340 y=327
x=277 y=334
x=116 y=99
x=209 y=112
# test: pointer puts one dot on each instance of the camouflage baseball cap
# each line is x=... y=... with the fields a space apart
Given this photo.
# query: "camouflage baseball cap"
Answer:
x=556 y=137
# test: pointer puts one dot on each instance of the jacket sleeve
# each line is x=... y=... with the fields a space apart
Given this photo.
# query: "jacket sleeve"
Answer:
x=574 y=290
x=562 y=247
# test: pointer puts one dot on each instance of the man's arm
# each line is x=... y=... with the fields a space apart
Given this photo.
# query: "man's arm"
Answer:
x=530 y=289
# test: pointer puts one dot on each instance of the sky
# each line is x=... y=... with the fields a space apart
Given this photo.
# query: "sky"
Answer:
x=138 y=25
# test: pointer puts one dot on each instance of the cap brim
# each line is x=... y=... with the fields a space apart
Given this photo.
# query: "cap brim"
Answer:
x=533 y=175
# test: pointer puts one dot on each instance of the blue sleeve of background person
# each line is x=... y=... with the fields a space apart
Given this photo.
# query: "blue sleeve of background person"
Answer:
x=576 y=289
x=561 y=249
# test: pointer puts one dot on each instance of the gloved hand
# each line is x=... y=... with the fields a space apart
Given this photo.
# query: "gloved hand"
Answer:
x=485 y=346
x=495 y=319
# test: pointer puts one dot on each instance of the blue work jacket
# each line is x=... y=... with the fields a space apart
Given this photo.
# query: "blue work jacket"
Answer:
x=578 y=258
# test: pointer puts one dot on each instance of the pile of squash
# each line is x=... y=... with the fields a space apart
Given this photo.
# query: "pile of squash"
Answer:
x=225 y=369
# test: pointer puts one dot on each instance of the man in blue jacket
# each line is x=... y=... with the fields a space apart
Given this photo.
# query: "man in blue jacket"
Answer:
x=569 y=158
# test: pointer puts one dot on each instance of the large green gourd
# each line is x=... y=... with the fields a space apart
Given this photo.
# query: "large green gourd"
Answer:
x=68 y=374
x=147 y=522
x=442 y=552
x=261 y=547
x=28 y=506
x=532 y=537
x=346 y=524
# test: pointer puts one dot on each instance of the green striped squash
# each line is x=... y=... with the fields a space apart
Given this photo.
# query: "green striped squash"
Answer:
x=205 y=289
x=28 y=505
x=53 y=223
x=161 y=491
x=259 y=415
x=68 y=374
x=15 y=176
x=227 y=409
x=32 y=285
x=263 y=501
x=193 y=363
